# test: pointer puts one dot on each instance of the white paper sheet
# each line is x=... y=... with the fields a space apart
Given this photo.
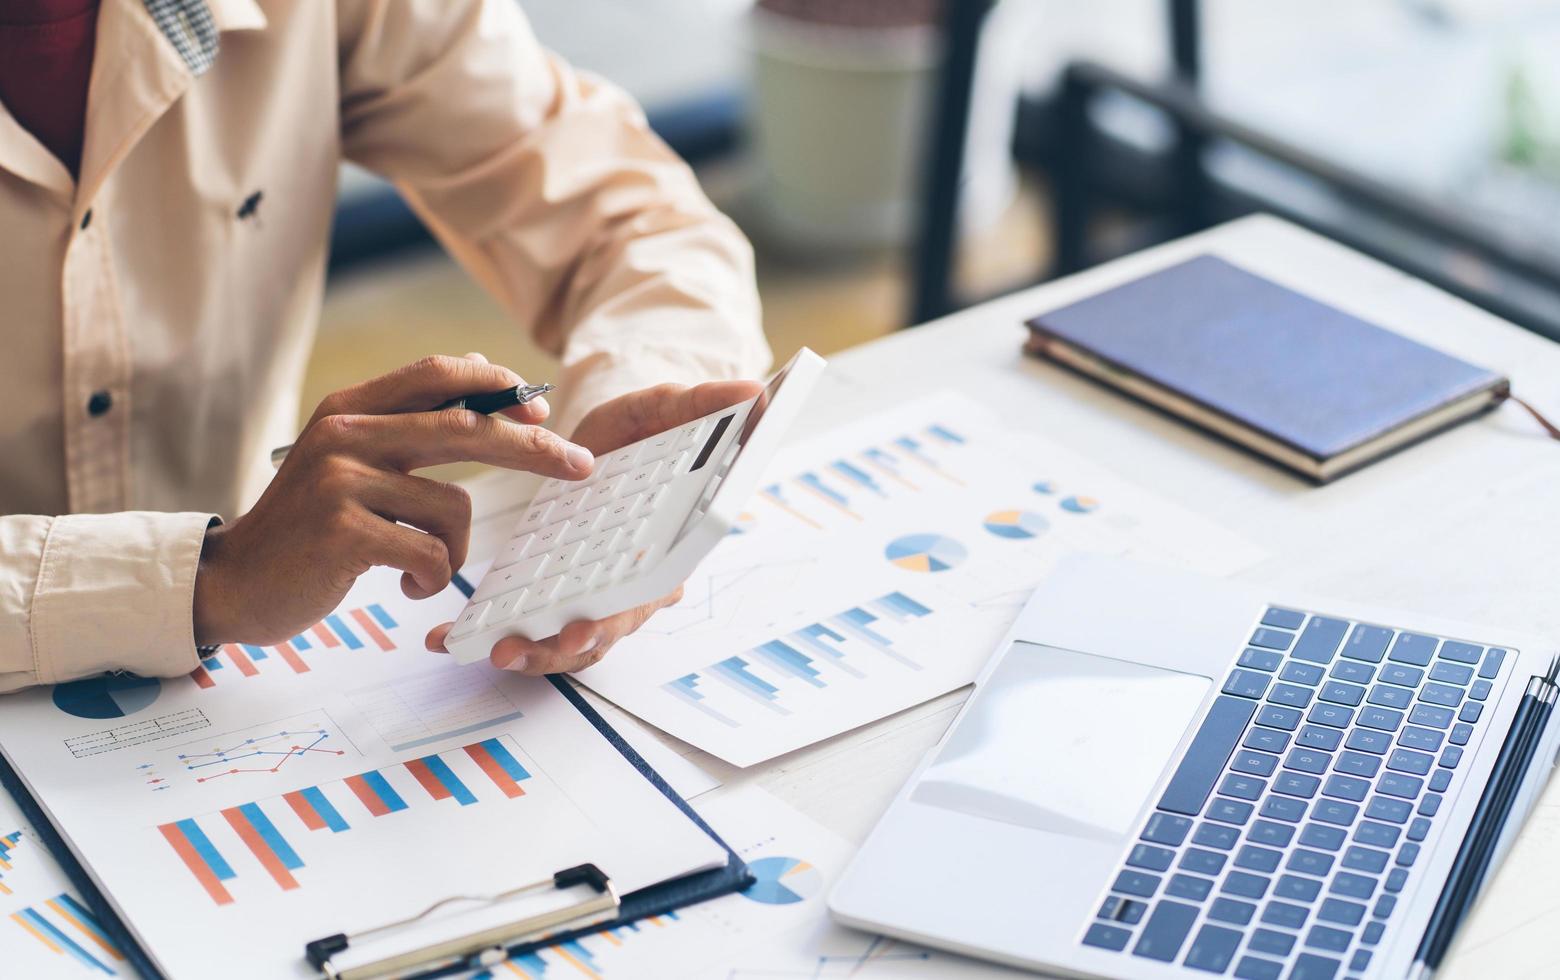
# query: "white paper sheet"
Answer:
x=778 y=929
x=878 y=568
x=337 y=782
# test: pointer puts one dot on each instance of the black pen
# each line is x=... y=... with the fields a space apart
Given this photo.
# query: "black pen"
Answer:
x=1489 y=820
x=485 y=403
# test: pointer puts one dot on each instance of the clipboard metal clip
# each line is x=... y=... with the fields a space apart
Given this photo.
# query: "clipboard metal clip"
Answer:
x=481 y=948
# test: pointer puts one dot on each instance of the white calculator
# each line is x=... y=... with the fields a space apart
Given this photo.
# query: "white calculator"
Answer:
x=635 y=528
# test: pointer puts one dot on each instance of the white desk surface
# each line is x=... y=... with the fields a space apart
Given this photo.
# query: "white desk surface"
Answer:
x=1465 y=526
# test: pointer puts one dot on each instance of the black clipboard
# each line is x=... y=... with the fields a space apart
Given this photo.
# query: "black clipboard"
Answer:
x=657 y=899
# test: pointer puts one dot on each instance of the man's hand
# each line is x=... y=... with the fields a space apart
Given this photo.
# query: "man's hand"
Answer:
x=613 y=425
x=344 y=499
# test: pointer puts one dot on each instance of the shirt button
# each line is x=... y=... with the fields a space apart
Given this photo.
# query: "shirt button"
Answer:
x=86 y=219
x=99 y=403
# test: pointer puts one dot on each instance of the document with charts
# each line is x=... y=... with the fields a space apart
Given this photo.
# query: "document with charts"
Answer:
x=778 y=929
x=335 y=782
x=876 y=568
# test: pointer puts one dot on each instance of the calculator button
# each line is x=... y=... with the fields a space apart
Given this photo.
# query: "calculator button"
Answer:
x=583 y=526
x=642 y=478
x=689 y=434
x=551 y=488
x=545 y=539
x=542 y=594
x=672 y=468
x=470 y=620
x=578 y=580
x=660 y=445
x=570 y=504
x=601 y=545
x=603 y=492
x=503 y=609
x=649 y=501
x=513 y=551
x=621 y=461
x=619 y=511
x=530 y=570
x=535 y=515
x=498 y=581
x=564 y=558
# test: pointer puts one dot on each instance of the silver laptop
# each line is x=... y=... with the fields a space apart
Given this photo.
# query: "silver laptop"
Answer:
x=1161 y=775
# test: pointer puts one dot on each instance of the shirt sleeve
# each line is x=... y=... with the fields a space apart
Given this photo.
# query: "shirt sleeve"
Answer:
x=87 y=593
x=547 y=185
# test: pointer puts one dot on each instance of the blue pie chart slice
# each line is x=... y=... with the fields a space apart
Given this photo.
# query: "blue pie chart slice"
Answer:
x=783 y=881
x=925 y=552
x=110 y=696
x=1016 y=524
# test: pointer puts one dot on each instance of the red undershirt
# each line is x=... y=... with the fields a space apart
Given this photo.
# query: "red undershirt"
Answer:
x=45 y=65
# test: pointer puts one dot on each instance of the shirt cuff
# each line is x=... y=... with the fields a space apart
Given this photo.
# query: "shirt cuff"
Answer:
x=116 y=592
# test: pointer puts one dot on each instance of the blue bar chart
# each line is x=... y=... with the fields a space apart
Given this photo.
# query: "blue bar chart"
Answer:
x=779 y=676
x=66 y=928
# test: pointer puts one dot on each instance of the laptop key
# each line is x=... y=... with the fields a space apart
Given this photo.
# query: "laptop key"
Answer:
x=1465 y=653
x=1241 y=786
x=1383 y=808
x=1277 y=716
x=1137 y=883
x=1342 y=787
x=1491 y=665
x=1229 y=811
x=1167 y=829
x=1247 y=683
x=1430 y=804
x=1412 y=648
x=1352 y=671
x=1364 y=740
x=1118 y=909
x=1255 y=858
x=1335 y=812
x=1357 y=764
x=1309 y=966
x=1328 y=938
x=1406 y=856
x=1450 y=757
x=1341 y=912
x=1308 y=760
x=1439 y=780
x=1266 y=739
x=1384 y=906
x=1301 y=673
x=1284 y=914
x=1287 y=619
x=1407 y=760
x=1267 y=660
x=1189 y=887
x=1201 y=861
x=1214 y=835
x=1290 y=694
x=1150 y=857
x=1429 y=714
x=1271 y=942
x=1391 y=697
x=1451 y=673
x=1470 y=712
x=1340 y=693
x=1256 y=968
x=1245 y=884
x=1319 y=640
x=1272 y=639
x=1415 y=737
x=1165 y=931
x=1331 y=715
x=1360 y=960
x=1376 y=834
x=1316 y=737
x=1268 y=832
x=1369 y=859
x=1324 y=837
x=1351 y=885
x=1205 y=758
x=1256 y=763
x=1367 y=643
x=1113 y=938
x=1401 y=674
x=1297 y=889
x=1282 y=808
x=1231 y=911
x=1441 y=694
x=1395 y=880
x=1372 y=934
x=1401 y=786
x=1296 y=784
x=1480 y=690
x=1381 y=719
x=1309 y=862
x=1460 y=734
x=1213 y=949
x=1419 y=829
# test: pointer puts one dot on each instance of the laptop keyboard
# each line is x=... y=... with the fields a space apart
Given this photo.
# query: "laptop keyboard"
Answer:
x=1280 y=846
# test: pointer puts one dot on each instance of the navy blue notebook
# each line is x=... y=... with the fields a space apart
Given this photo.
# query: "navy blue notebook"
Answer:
x=1294 y=379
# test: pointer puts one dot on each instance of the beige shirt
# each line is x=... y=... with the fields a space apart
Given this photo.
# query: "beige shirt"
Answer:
x=143 y=286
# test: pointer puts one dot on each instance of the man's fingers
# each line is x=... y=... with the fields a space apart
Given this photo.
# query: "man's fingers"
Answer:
x=578 y=645
x=423 y=557
x=667 y=406
x=441 y=509
x=408 y=442
x=420 y=386
x=436 y=636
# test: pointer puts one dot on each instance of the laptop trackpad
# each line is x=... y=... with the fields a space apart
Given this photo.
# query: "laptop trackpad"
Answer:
x=1064 y=742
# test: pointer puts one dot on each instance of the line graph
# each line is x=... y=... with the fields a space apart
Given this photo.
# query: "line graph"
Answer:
x=256 y=752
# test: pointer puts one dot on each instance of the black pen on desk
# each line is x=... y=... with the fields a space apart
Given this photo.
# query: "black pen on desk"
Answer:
x=1477 y=852
x=485 y=403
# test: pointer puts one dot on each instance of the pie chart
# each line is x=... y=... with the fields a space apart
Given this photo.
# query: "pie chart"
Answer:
x=1080 y=505
x=1016 y=524
x=925 y=552
x=1044 y=486
x=109 y=696
x=783 y=881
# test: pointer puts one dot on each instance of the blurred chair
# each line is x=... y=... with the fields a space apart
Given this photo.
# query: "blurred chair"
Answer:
x=1092 y=171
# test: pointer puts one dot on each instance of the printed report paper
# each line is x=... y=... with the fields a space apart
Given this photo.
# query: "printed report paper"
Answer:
x=877 y=568
x=336 y=782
